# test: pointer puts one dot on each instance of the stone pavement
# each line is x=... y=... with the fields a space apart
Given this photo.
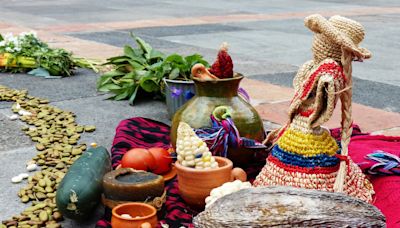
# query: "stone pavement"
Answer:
x=267 y=42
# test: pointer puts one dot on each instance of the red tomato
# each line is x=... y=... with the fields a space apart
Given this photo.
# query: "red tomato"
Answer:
x=163 y=160
x=138 y=158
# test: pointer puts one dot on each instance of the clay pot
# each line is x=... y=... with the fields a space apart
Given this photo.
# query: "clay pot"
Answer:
x=211 y=94
x=143 y=216
x=195 y=185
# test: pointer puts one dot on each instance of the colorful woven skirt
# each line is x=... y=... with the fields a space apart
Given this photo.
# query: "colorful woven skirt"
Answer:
x=310 y=161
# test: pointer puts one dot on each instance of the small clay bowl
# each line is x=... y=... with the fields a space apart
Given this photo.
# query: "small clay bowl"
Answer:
x=143 y=216
x=195 y=184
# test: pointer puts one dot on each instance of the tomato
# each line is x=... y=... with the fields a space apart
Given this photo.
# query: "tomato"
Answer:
x=138 y=158
x=163 y=160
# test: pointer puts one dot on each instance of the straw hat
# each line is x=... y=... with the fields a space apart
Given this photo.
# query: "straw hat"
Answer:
x=334 y=34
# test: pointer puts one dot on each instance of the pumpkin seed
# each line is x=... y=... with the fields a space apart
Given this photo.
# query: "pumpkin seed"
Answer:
x=40 y=195
x=25 y=198
x=43 y=216
x=42 y=183
x=51 y=195
x=76 y=151
x=53 y=225
x=90 y=128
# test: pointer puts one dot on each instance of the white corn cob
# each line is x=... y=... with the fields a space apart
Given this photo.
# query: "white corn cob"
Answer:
x=191 y=150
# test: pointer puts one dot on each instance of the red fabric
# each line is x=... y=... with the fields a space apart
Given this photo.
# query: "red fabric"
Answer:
x=387 y=198
x=387 y=193
x=361 y=146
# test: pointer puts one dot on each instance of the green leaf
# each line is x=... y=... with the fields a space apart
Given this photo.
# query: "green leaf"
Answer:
x=130 y=75
x=108 y=87
x=133 y=96
x=113 y=73
x=175 y=58
x=135 y=65
x=146 y=48
x=128 y=51
x=138 y=52
x=119 y=60
x=148 y=84
x=40 y=72
x=154 y=54
x=122 y=95
x=156 y=65
x=1 y=38
x=196 y=58
x=174 y=74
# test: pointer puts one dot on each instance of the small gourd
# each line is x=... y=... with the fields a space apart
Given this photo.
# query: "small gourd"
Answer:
x=191 y=150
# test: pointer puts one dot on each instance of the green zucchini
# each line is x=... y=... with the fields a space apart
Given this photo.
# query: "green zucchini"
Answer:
x=80 y=190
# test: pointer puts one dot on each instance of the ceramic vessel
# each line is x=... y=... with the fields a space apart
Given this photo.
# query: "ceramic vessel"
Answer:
x=143 y=216
x=195 y=185
x=211 y=94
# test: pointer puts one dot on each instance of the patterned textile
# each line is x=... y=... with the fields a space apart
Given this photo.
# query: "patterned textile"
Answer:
x=176 y=214
x=223 y=135
x=145 y=133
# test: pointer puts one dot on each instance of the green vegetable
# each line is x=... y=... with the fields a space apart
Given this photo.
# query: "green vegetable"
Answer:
x=25 y=51
x=80 y=190
x=142 y=69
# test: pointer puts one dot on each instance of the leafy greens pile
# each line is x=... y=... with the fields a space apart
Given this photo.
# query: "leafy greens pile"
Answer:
x=143 y=68
x=26 y=52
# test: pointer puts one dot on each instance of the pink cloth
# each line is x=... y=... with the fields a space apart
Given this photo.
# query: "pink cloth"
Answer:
x=387 y=188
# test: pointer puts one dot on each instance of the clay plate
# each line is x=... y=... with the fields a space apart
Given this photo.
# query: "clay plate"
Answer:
x=167 y=176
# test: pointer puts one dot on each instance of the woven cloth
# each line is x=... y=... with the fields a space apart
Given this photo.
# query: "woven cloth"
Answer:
x=175 y=211
x=386 y=182
x=146 y=133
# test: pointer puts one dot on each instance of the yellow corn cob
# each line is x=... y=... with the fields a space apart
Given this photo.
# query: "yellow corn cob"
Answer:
x=9 y=60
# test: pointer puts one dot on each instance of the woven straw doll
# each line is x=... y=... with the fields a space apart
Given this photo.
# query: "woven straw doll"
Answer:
x=305 y=155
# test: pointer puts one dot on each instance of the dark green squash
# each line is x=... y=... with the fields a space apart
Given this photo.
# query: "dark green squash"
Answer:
x=80 y=190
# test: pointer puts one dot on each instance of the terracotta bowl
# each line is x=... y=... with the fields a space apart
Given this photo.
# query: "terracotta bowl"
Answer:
x=195 y=185
x=143 y=216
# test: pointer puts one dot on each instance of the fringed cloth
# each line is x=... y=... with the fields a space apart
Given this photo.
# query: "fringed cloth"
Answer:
x=223 y=135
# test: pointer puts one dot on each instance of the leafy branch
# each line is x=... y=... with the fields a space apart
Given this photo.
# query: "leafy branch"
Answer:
x=143 y=68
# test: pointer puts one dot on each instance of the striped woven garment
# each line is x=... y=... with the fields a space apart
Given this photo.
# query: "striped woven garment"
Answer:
x=305 y=154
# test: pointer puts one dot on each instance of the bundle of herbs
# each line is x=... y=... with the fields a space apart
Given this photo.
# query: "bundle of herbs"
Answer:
x=26 y=52
x=142 y=69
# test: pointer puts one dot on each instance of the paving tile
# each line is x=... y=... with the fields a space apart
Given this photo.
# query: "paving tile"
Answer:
x=369 y=119
x=106 y=26
x=89 y=49
x=266 y=93
x=366 y=92
x=388 y=132
x=11 y=136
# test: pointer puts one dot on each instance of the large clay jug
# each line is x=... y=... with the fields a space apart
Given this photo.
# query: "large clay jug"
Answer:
x=211 y=94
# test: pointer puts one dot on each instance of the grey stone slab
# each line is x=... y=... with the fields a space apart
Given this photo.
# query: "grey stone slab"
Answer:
x=11 y=136
x=370 y=93
x=12 y=164
x=292 y=26
x=186 y=30
x=83 y=84
x=106 y=115
x=270 y=46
